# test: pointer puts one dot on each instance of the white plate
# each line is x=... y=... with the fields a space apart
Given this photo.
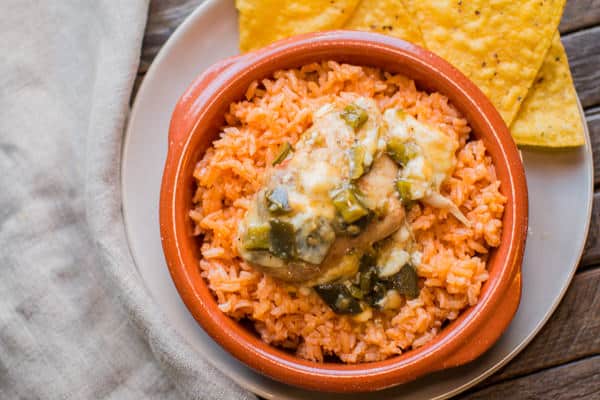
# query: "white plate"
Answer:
x=560 y=195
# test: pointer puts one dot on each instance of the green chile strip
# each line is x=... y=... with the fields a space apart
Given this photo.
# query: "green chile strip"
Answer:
x=347 y=297
x=257 y=237
x=402 y=152
x=283 y=241
x=367 y=280
x=403 y=187
x=284 y=150
x=406 y=282
x=355 y=291
x=348 y=205
x=354 y=116
x=338 y=298
x=357 y=158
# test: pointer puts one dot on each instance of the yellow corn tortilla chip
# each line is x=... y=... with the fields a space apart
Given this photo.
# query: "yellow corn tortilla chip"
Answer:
x=389 y=17
x=499 y=45
x=550 y=116
x=264 y=21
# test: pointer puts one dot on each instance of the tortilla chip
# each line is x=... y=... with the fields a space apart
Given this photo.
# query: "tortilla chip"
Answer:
x=389 y=17
x=550 y=116
x=499 y=45
x=265 y=21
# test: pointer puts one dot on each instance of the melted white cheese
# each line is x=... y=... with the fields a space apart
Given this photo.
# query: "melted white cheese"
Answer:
x=436 y=160
x=432 y=166
x=393 y=262
x=319 y=178
x=368 y=135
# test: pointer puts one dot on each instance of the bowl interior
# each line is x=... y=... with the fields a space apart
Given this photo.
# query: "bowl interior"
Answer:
x=430 y=74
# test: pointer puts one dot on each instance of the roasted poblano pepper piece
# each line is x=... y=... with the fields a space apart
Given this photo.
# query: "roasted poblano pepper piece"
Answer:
x=357 y=159
x=354 y=116
x=277 y=200
x=402 y=152
x=404 y=189
x=257 y=237
x=282 y=238
x=284 y=151
x=378 y=292
x=406 y=281
x=368 y=261
x=367 y=279
x=355 y=292
x=348 y=205
x=338 y=298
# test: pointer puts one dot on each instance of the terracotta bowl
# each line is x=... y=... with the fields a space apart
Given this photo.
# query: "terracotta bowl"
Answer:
x=195 y=124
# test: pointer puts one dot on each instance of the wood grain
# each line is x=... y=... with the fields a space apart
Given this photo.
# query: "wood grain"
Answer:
x=583 y=50
x=591 y=253
x=570 y=334
x=163 y=18
x=579 y=14
x=592 y=117
x=577 y=380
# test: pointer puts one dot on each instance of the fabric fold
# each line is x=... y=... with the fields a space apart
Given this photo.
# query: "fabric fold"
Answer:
x=76 y=321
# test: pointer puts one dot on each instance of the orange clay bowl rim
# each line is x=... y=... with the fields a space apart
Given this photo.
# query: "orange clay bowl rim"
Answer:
x=195 y=124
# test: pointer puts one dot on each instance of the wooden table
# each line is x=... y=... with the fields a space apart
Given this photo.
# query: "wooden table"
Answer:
x=563 y=361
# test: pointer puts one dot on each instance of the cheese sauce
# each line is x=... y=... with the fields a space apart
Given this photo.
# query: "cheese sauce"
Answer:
x=331 y=213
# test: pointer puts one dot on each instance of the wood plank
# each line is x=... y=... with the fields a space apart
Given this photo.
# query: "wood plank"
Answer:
x=591 y=253
x=570 y=334
x=164 y=16
x=592 y=247
x=576 y=380
x=592 y=117
x=579 y=14
x=583 y=50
